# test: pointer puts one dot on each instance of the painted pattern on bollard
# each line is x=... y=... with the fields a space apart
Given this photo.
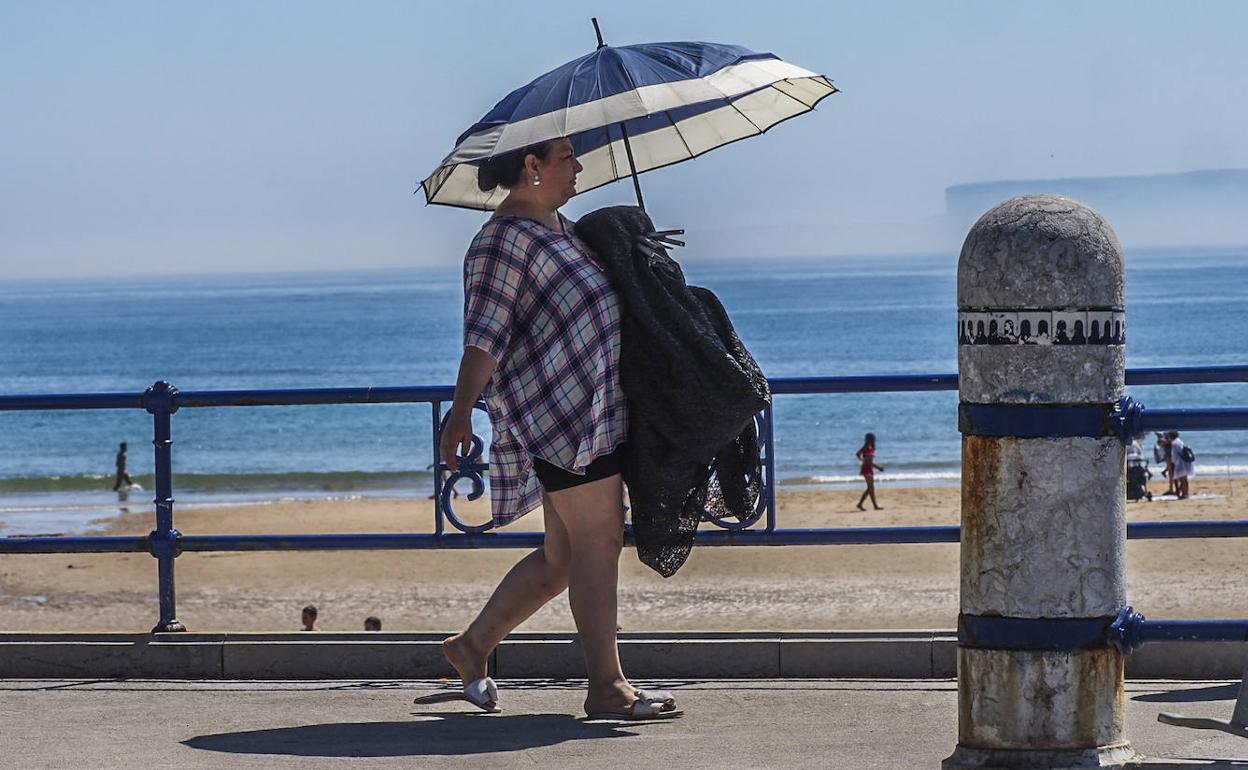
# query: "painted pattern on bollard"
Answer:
x=1041 y=336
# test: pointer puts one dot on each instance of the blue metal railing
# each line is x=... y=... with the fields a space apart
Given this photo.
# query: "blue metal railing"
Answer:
x=165 y=542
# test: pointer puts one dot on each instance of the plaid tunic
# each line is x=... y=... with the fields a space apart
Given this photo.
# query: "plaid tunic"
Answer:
x=535 y=300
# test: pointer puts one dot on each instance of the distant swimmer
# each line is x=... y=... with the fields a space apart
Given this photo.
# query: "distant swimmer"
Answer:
x=123 y=479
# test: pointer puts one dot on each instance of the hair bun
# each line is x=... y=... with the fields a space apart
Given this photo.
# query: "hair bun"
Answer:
x=487 y=175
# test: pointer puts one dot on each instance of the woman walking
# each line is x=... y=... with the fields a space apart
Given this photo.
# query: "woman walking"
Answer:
x=866 y=455
x=542 y=346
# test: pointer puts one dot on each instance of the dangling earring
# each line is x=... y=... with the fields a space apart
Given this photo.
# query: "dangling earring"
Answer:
x=537 y=181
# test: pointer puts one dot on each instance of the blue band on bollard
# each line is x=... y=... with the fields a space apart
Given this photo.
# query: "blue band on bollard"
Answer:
x=1037 y=420
x=993 y=632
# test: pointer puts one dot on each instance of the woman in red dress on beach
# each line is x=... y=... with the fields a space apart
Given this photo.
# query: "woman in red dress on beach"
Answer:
x=866 y=454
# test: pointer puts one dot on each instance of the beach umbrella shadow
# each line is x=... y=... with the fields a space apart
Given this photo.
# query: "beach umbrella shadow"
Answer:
x=431 y=735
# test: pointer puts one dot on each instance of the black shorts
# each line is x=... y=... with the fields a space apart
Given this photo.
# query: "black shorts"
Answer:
x=554 y=478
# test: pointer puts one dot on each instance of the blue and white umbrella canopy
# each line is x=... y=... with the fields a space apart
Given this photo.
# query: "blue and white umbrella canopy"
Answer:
x=675 y=100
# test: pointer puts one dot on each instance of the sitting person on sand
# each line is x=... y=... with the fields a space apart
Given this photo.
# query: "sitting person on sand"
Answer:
x=866 y=455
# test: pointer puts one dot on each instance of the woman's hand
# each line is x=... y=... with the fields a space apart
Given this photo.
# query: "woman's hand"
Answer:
x=475 y=369
x=456 y=435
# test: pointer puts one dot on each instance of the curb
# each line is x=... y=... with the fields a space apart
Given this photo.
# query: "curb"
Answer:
x=756 y=655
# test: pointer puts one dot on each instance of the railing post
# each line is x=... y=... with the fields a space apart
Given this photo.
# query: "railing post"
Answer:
x=1040 y=364
x=163 y=541
x=439 y=516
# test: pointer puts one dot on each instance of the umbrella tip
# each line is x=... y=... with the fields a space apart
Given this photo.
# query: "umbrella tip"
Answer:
x=598 y=32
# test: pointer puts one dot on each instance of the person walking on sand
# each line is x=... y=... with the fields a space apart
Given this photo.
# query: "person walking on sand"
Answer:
x=866 y=455
x=542 y=346
x=123 y=478
x=1167 y=457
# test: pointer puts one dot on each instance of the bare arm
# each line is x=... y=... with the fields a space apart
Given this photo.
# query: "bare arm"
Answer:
x=475 y=369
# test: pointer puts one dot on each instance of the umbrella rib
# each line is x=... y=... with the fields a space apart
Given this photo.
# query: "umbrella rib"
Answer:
x=442 y=184
x=794 y=98
x=681 y=136
x=627 y=74
x=632 y=83
x=615 y=166
x=572 y=81
x=757 y=128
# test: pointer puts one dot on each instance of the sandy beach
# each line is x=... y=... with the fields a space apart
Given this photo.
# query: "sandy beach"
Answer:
x=720 y=588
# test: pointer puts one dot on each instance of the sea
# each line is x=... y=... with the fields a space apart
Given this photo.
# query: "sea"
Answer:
x=799 y=317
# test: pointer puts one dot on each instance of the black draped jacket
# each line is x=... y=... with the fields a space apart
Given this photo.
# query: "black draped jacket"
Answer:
x=692 y=390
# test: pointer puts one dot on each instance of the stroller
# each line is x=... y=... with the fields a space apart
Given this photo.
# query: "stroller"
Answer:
x=1138 y=475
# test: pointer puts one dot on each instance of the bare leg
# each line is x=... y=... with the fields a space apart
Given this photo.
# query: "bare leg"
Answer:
x=865 y=492
x=593 y=514
x=871 y=492
x=536 y=579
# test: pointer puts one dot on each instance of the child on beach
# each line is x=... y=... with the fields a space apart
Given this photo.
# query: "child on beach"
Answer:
x=866 y=455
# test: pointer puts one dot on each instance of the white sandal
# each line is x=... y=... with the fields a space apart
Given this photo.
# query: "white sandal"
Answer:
x=482 y=693
x=655 y=696
x=640 y=711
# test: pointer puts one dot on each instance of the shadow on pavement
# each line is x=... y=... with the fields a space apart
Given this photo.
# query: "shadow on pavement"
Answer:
x=1196 y=763
x=1219 y=692
x=429 y=734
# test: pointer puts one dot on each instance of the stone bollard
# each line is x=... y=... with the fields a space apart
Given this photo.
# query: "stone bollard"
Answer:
x=1040 y=363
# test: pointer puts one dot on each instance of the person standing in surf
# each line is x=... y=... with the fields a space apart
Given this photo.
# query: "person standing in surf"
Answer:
x=123 y=479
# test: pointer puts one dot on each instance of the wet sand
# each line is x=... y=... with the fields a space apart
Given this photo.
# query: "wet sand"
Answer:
x=718 y=589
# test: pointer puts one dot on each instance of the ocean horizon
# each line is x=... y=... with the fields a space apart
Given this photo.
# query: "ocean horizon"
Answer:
x=401 y=327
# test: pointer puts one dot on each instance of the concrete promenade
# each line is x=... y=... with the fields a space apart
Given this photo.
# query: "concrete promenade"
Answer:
x=798 y=723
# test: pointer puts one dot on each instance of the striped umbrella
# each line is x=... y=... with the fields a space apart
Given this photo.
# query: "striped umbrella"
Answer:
x=632 y=109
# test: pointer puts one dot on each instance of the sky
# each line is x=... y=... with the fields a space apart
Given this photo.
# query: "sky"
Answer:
x=154 y=138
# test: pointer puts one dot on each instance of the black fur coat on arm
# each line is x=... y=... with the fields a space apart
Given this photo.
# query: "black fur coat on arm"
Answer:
x=692 y=391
